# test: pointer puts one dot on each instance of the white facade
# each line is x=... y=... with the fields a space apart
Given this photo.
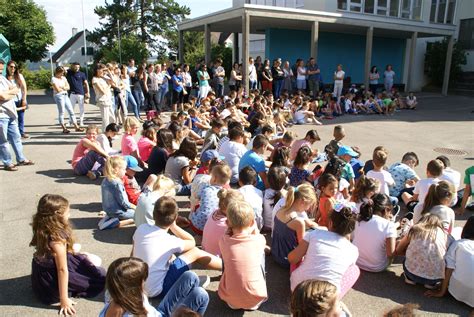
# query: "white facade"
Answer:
x=74 y=53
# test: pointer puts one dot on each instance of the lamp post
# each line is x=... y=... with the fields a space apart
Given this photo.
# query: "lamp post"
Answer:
x=85 y=42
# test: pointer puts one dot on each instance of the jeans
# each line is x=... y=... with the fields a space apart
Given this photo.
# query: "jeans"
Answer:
x=183 y=190
x=388 y=84
x=252 y=84
x=62 y=100
x=277 y=86
x=21 y=118
x=313 y=87
x=87 y=163
x=78 y=99
x=220 y=90
x=185 y=292
x=139 y=98
x=9 y=133
x=130 y=100
x=301 y=84
x=161 y=95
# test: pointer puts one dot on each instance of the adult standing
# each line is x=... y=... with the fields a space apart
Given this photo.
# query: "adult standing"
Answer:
x=203 y=77
x=314 y=77
x=9 y=132
x=253 y=77
x=235 y=78
x=219 y=75
x=278 y=78
x=79 y=89
x=129 y=99
x=14 y=76
x=103 y=96
x=178 y=89
x=288 y=73
x=60 y=88
x=373 y=79
x=137 y=86
x=388 y=78
x=188 y=82
x=267 y=78
x=338 y=82
x=301 y=73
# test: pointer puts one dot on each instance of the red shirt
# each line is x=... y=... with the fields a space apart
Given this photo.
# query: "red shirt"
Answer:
x=131 y=188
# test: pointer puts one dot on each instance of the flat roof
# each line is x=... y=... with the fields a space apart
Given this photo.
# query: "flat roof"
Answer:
x=264 y=17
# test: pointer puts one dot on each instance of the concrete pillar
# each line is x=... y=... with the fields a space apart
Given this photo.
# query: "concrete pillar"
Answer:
x=368 y=54
x=235 y=47
x=181 y=47
x=447 y=66
x=411 y=61
x=245 y=51
x=207 y=43
x=314 y=39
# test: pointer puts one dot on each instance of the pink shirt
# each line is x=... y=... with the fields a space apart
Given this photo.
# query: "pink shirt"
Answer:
x=298 y=144
x=128 y=144
x=242 y=284
x=79 y=152
x=214 y=230
x=145 y=145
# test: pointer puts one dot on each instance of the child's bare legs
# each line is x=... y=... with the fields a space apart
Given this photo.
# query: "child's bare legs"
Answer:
x=406 y=197
x=126 y=222
x=202 y=258
x=150 y=181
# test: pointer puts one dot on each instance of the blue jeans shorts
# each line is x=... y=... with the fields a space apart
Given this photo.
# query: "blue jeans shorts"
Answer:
x=176 y=269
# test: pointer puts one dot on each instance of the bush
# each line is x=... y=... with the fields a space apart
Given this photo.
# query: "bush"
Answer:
x=40 y=79
x=435 y=59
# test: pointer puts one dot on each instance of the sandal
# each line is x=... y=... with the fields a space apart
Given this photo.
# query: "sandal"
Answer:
x=26 y=163
x=80 y=129
x=11 y=168
x=66 y=131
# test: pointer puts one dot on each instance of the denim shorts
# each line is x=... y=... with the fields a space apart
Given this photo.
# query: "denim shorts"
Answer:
x=175 y=270
x=417 y=279
x=124 y=215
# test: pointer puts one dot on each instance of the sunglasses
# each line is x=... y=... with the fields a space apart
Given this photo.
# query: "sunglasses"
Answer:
x=12 y=66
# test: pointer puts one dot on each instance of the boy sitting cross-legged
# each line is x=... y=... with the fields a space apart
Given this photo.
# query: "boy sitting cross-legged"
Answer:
x=155 y=246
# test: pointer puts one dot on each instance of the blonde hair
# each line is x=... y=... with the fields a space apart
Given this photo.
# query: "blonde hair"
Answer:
x=313 y=298
x=226 y=196
x=129 y=123
x=91 y=127
x=240 y=215
x=304 y=192
x=222 y=173
x=112 y=163
x=165 y=185
x=426 y=228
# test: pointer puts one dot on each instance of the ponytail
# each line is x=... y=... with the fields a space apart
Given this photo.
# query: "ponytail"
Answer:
x=364 y=184
x=436 y=194
x=290 y=199
x=304 y=191
x=374 y=206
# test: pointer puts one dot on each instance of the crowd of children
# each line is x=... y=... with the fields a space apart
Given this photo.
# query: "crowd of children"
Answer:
x=326 y=222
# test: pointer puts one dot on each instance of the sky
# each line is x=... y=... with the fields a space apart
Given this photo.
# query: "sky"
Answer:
x=66 y=14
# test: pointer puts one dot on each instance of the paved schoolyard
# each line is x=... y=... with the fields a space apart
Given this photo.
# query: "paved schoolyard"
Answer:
x=439 y=122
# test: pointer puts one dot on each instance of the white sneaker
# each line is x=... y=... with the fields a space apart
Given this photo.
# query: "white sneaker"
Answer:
x=108 y=223
x=204 y=281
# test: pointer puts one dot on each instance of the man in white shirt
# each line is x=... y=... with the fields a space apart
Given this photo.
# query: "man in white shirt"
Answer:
x=338 y=82
x=233 y=150
x=252 y=74
x=9 y=132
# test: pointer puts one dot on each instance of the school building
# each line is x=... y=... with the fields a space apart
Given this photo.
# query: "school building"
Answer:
x=354 y=33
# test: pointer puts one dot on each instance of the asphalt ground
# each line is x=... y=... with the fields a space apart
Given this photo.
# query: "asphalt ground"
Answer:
x=439 y=122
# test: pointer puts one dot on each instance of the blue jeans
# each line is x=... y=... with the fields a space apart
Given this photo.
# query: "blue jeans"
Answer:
x=220 y=90
x=185 y=292
x=21 y=118
x=161 y=95
x=63 y=101
x=9 y=133
x=183 y=190
x=139 y=97
x=253 y=84
x=131 y=101
x=277 y=86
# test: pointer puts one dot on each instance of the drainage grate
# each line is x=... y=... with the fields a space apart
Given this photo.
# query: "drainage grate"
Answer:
x=448 y=151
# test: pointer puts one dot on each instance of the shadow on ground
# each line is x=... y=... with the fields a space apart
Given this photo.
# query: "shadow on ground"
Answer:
x=89 y=207
x=67 y=176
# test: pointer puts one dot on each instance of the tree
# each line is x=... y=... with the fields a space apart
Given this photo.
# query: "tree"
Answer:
x=436 y=59
x=25 y=26
x=130 y=46
x=151 y=21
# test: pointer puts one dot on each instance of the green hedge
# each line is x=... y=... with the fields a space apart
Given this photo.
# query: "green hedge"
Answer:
x=40 y=79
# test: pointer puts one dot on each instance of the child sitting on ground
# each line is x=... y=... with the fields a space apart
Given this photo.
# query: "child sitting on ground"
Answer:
x=424 y=248
x=155 y=246
x=304 y=115
x=365 y=188
x=216 y=225
x=411 y=101
x=299 y=172
x=317 y=298
x=286 y=140
x=458 y=277
x=379 y=159
x=375 y=234
x=253 y=195
x=310 y=138
x=339 y=133
x=242 y=285
x=126 y=278
x=213 y=135
x=120 y=211
x=290 y=221
x=130 y=183
x=220 y=176
x=58 y=269
x=328 y=186
x=346 y=153
x=277 y=181
x=404 y=175
x=322 y=252
x=147 y=141
x=129 y=145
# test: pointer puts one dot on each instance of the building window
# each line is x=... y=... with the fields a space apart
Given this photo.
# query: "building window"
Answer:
x=442 y=11
x=466 y=34
x=278 y=3
x=369 y=6
x=394 y=8
x=407 y=9
x=342 y=4
x=90 y=51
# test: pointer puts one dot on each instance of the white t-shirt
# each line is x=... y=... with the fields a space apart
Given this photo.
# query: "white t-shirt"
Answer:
x=444 y=213
x=339 y=74
x=60 y=83
x=370 y=238
x=155 y=247
x=299 y=116
x=301 y=73
x=104 y=143
x=422 y=187
x=454 y=177
x=233 y=152
x=254 y=197
x=460 y=257
x=385 y=179
x=323 y=260
x=268 y=207
x=252 y=72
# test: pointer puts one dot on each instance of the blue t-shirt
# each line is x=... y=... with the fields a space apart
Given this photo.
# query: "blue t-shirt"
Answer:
x=357 y=166
x=254 y=160
x=76 y=81
x=316 y=76
x=400 y=173
x=298 y=176
x=178 y=79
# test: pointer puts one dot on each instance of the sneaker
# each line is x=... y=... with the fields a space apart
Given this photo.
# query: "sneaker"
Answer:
x=408 y=281
x=91 y=175
x=204 y=281
x=428 y=286
x=108 y=223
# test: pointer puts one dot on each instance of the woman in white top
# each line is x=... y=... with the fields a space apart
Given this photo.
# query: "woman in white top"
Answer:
x=375 y=234
x=288 y=73
x=374 y=77
x=389 y=77
x=235 y=78
x=103 y=96
x=338 y=81
x=301 y=75
x=187 y=81
x=16 y=78
x=60 y=88
x=105 y=139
